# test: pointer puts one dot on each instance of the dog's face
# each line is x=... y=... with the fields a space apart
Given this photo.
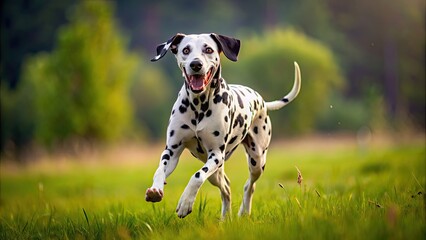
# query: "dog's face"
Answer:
x=198 y=56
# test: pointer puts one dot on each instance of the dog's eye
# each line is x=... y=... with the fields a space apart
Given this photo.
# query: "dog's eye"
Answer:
x=186 y=51
x=208 y=50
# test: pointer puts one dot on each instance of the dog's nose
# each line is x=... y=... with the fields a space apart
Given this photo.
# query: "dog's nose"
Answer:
x=196 y=65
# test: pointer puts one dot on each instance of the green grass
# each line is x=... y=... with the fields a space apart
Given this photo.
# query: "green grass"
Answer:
x=347 y=193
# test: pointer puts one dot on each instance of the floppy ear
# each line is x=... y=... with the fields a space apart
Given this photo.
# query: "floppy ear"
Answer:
x=171 y=43
x=229 y=46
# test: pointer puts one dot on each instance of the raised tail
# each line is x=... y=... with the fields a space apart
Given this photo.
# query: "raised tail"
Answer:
x=275 y=105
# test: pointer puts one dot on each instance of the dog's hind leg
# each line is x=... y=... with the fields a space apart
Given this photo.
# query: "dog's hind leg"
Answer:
x=250 y=185
x=256 y=146
x=220 y=180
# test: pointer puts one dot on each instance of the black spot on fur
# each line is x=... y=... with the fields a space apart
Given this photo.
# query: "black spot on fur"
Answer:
x=239 y=120
x=255 y=130
x=184 y=126
x=269 y=133
x=225 y=98
x=166 y=157
x=222 y=147
x=174 y=146
x=185 y=102
x=170 y=152
x=202 y=98
x=204 y=106
x=165 y=162
x=216 y=161
x=226 y=118
x=194 y=122
x=240 y=102
x=195 y=101
x=192 y=107
x=172 y=133
x=182 y=109
x=263 y=168
x=205 y=169
x=173 y=111
x=200 y=117
x=208 y=113
x=285 y=100
x=232 y=140
x=216 y=133
x=217 y=98
x=197 y=175
x=253 y=144
x=264 y=127
x=253 y=162
x=226 y=138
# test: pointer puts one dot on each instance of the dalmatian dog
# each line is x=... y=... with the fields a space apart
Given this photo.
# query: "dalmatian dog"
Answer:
x=211 y=118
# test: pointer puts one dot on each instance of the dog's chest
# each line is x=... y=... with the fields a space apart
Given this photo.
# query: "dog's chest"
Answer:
x=220 y=120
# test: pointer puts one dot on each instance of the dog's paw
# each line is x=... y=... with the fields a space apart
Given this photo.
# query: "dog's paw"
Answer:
x=184 y=207
x=153 y=195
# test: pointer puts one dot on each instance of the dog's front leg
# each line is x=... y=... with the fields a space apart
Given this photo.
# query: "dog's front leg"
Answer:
x=168 y=162
x=214 y=161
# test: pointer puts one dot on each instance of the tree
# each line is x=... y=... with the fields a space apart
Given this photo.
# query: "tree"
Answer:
x=81 y=88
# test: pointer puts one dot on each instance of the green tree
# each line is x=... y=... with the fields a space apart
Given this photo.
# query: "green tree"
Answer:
x=81 y=88
x=152 y=99
x=17 y=118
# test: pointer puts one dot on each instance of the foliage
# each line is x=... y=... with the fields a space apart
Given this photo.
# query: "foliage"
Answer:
x=266 y=64
x=80 y=89
x=389 y=42
x=17 y=118
x=348 y=192
x=151 y=100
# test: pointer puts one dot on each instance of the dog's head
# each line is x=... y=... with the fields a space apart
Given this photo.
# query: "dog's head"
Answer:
x=198 y=56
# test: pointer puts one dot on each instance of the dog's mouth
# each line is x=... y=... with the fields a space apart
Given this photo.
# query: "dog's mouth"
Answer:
x=197 y=82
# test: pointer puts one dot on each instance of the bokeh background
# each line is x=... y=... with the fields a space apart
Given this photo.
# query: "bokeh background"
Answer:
x=77 y=73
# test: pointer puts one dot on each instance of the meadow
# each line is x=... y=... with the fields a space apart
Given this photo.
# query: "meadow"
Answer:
x=350 y=190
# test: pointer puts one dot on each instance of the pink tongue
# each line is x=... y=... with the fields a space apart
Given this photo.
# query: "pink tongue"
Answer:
x=196 y=82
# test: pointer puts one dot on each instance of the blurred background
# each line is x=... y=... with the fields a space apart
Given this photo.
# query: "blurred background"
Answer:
x=77 y=73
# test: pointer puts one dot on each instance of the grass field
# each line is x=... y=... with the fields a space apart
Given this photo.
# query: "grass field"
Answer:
x=348 y=191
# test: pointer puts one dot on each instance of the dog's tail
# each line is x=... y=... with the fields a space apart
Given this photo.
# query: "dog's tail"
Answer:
x=275 y=105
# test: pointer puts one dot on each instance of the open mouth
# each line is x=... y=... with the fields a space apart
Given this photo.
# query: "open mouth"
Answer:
x=197 y=82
